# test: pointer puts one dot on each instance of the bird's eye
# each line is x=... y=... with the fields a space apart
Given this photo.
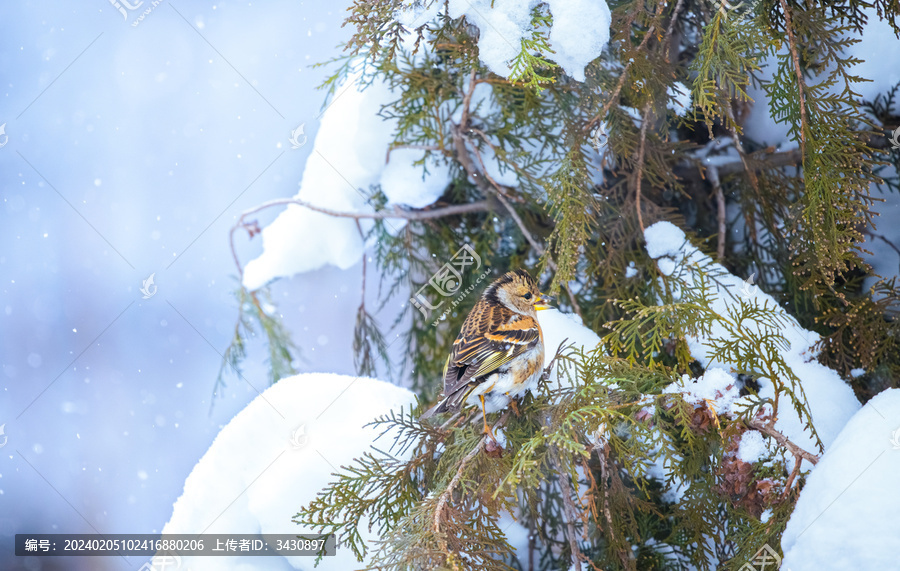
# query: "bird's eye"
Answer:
x=527 y=295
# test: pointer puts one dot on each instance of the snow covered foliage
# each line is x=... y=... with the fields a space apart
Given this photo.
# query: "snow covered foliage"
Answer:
x=276 y=455
x=354 y=149
x=849 y=509
x=510 y=29
x=684 y=437
x=744 y=330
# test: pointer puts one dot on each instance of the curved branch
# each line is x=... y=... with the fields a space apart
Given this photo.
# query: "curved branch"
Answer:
x=396 y=212
x=780 y=438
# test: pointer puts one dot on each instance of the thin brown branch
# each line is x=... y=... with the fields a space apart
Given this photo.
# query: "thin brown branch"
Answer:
x=751 y=173
x=362 y=302
x=392 y=148
x=720 y=210
x=602 y=450
x=801 y=84
x=780 y=438
x=573 y=299
x=672 y=21
x=694 y=172
x=565 y=484
x=645 y=122
x=549 y=368
x=883 y=239
x=504 y=200
x=467 y=101
x=790 y=481
x=614 y=96
x=493 y=147
x=396 y=212
x=447 y=494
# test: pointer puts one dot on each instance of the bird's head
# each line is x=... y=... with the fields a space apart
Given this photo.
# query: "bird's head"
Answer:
x=517 y=291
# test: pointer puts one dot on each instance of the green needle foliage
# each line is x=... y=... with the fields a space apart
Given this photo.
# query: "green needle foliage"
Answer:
x=611 y=468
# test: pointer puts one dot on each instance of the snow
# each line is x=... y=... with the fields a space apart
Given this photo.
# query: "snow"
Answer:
x=579 y=31
x=275 y=456
x=679 y=99
x=403 y=181
x=348 y=157
x=558 y=327
x=716 y=385
x=342 y=163
x=849 y=511
x=663 y=239
x=752 y=447
x=831 y=401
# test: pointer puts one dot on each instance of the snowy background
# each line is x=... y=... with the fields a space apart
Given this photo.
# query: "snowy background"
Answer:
x=130 y=152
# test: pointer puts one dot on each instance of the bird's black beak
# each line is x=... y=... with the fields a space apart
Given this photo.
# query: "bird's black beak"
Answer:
x=543 y=302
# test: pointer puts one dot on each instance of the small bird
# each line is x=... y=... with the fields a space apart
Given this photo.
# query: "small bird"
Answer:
x=499 y=353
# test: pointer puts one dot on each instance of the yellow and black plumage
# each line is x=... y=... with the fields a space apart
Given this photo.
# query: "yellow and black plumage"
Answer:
x=499 y=353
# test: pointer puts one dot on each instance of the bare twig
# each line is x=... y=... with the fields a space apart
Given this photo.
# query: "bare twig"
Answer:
x=883 y=239
x=362 y=302
x=720 y=210
x=602 y=450
x=448 y=493
x=751 y=173
x=396 y=212
x=393 y=148
x=573 y=299
x=467 y=100
x=780 y=438
x=503 y=199
x=565 y=484
x=671 y=28
x=790 y=481
x=614 y=96
x=801 y=84
x=645 y=122
x=549 y=368
x=493 y=147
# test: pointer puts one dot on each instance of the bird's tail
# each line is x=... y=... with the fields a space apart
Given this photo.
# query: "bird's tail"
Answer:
x=453 y=402
x=436 y=409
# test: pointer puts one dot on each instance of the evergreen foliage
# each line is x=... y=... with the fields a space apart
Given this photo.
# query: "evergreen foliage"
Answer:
x=574 y=470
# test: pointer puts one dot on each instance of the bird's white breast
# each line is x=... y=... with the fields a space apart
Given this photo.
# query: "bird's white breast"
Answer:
x=499 y=388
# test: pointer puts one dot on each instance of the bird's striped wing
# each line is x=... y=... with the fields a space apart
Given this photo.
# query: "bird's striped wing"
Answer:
x=479 y=350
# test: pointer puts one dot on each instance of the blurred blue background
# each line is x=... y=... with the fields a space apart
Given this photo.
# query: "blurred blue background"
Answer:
x=132 y=147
